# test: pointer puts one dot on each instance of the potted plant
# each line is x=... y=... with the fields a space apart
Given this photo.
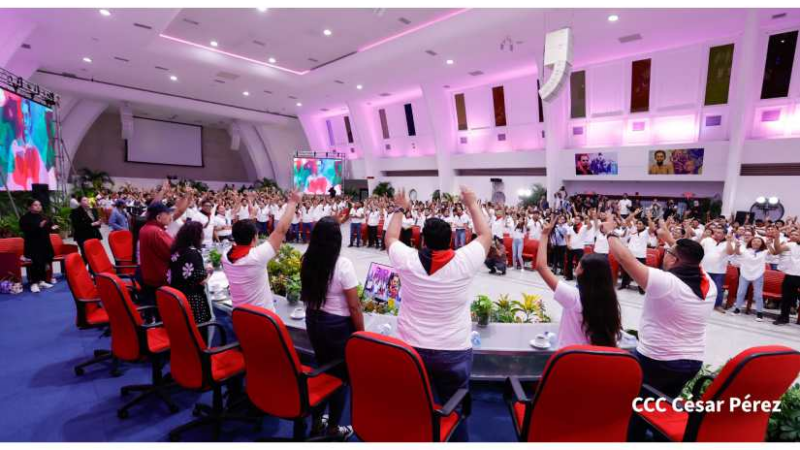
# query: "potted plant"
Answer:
x=504 y=311
x=216 y=258
x=532 y=307
x=482 y=309
x=293 y=287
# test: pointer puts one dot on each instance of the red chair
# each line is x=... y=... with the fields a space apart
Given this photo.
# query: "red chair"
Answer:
x=12 y=260
x=588 y=249
x=90 y=313
x=416 y=240
x=387 y=375
x=569 y=406
x=364 y=233
x=614 y=268
x=195 y=365
x=760 y=374
x=134 y=341
x=507 y=243
x=98 y=260
x=61 y=250
x=276 y=381
x=121 y=244
x=529 y=251
x=773 y=281
x=731 y=284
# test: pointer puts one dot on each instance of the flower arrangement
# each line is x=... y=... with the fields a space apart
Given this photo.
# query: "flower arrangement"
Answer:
x=284 y=270
x=504 y=310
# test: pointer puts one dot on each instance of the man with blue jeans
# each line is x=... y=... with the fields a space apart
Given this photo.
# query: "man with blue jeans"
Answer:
x=356 y=219
x=460 y=221
x=435 y=317
x=715 y=262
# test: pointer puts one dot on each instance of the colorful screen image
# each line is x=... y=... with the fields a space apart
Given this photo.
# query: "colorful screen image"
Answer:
x=683 y=161
x=317 y=175
x=383 y=284
x=27 y=144
x=596 y=163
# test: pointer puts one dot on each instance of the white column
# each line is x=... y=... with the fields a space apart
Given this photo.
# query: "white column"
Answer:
x=440 y=112
x=743 y=94
x=555 y=131
x=366 y=137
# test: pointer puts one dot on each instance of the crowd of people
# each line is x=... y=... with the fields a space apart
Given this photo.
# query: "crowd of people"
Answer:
x=457 y=238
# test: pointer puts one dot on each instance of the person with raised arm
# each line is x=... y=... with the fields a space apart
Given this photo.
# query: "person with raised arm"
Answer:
x=791 y=269
x=435 y=315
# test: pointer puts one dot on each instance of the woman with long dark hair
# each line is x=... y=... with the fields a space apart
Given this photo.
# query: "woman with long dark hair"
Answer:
x=333 y=312
x=187 y=271
x=591 y=311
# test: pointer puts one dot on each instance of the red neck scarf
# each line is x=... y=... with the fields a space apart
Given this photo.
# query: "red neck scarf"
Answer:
x=433 y=260
x=238 y=252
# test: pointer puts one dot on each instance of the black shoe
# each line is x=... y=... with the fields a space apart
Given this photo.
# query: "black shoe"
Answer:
x=736 y=311
x=349 y=246
x=759 y=317
x=622 y=288
x=781 y=321
x=503 y=272
x=340 y=433
x=641 y=291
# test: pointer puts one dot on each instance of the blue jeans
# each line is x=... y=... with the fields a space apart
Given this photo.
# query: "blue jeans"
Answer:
x=758 y=292
x=516 y=253
x=448 y=371
x=306 y=231
x=355 y=233
x=294 y=232
x=461 y=238
x=719 y=280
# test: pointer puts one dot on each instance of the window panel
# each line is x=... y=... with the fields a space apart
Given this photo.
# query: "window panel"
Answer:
x=384 y=123
x=499 y=101
x=640 y=86
x=577 y=94
x=412 y=130
x=461 y=112
x=328 y=124
x=348 y=129
x=778 y=68
x=539 y=97
x=718 y=80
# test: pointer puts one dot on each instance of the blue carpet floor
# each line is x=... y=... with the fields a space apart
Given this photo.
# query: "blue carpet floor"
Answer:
x=41 y=399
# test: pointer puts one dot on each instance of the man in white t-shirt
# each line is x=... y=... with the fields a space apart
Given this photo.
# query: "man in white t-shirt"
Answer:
x=356 y=219
x=715 y=262
x=791 y=268
x=677 y=306
x=435 y=316
x=245 y=264
x=625 y=206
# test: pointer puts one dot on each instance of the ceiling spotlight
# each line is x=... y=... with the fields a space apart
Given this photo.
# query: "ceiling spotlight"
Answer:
x=613 y=18
x=214 y=43
x=761 y=200
x=173 y=78
x=87 y=59
x=105 y=12
x=246 y=94
x=299 y=104
x=262 y=9
x=773 y=200
x=272 y=60
x=327 y=32
x=450 y=62
x=359 y=87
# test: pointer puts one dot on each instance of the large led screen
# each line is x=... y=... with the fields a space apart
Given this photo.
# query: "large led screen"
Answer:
x=317 y=175
x=27 y=144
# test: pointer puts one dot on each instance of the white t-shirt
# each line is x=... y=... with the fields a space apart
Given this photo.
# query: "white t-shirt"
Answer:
x=791 y=263
x=625 y=206
x=534 y=229
x=244 y=212
x=637 y=242
x=262 y=214
x=498 y=228
x=357 y=215
x=576 y=240
x=208 y=227
x=344 y=278
x=674 y=319
x=752 y=264
x=716 y=255
x=248 y=278
x=222 y=221
x=570 y=329
x=374 y=218
x=601 y=244
x=435 y=313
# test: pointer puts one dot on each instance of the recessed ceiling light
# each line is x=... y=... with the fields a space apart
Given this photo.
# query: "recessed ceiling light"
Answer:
x=327 y=32
x=359 y=87
x=87 y=59
x=272 y=60
x=173 y=78
x=262 y=9
x=613 y=18
x=450 y=62
x=214 y=43
x=246 y=94
x=299 y=104
x=105 y=12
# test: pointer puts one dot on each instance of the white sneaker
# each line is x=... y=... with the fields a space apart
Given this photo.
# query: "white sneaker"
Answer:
x=45 y=285
x=35 y=288
x=53 y=281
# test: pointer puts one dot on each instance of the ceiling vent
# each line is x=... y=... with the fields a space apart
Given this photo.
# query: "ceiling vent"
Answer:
x=161 y=68
x=313 y=60
x=476 y=73
x=404 y=21
x=173 y=117
x=338 y=81
x=324 y=109
x=267 y=92
x=431 y=52
x=191 y=22
x=630 y=38
x=26 y=46
x=259 y=43
x=219 y=81
x=227 y=75
x=385 y=94
x=141 y=25
x=69 y=75
x=293 y=97
x=778 y=16
x=119 y=58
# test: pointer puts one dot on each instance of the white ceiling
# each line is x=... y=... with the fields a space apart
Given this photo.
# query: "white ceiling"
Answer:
x=62 y=37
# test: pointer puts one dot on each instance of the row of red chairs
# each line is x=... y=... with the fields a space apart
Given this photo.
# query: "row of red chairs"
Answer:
x=12 y=251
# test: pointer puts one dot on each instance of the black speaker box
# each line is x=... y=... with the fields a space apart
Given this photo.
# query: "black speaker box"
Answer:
x=41 y=192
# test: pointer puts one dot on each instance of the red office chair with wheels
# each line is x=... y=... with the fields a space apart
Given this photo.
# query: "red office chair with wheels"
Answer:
x=61 y=251
x=98 y=260
x=196 y=366
x=90 y=313
x=569 y=406
x=276 y=381
x=134 y=341
x=760 y=374
x=121 y=244
x=386 y=374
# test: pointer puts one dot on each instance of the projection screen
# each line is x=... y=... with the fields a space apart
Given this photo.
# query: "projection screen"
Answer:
x=160 y=142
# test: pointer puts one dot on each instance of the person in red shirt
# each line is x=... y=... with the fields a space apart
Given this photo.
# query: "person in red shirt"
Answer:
x=154 y=246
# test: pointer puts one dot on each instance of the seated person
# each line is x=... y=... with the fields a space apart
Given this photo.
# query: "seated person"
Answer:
x=496 y=260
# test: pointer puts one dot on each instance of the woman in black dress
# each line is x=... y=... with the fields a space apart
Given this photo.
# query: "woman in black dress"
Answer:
x=36 y=230
x=85 y=224
x=187 y=272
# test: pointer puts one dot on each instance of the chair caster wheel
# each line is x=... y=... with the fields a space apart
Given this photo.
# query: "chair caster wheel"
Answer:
x=173 y=409
x=174 y=437
x=123 y=391
x=122 y=413
x=79 y=371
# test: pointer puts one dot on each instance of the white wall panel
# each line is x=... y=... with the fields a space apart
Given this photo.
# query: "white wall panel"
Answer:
x=606 y=86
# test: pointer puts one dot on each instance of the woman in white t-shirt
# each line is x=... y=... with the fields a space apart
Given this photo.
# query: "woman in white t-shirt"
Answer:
x=591 y=313
x=333 y=313
x=752 y=261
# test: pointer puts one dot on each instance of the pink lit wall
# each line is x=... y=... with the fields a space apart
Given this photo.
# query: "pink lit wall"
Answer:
x=400 y=144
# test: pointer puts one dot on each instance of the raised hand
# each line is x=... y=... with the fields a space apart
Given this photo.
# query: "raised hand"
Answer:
x=294 y=196
x=468 y=195
x=548 y=227
x=400 y=199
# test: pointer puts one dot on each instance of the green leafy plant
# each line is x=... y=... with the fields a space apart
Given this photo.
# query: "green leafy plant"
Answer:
x=784 y=426
x=503 y=311
x=704 y=371
x=293 y=288
x=266 y=183
x=436 y=196
x=383 y=189
x=9 y=227
x=283 y=267
x=94 y=180
x=216 y=258
x=481 y=309
x=532 y=307
x=537 y=193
